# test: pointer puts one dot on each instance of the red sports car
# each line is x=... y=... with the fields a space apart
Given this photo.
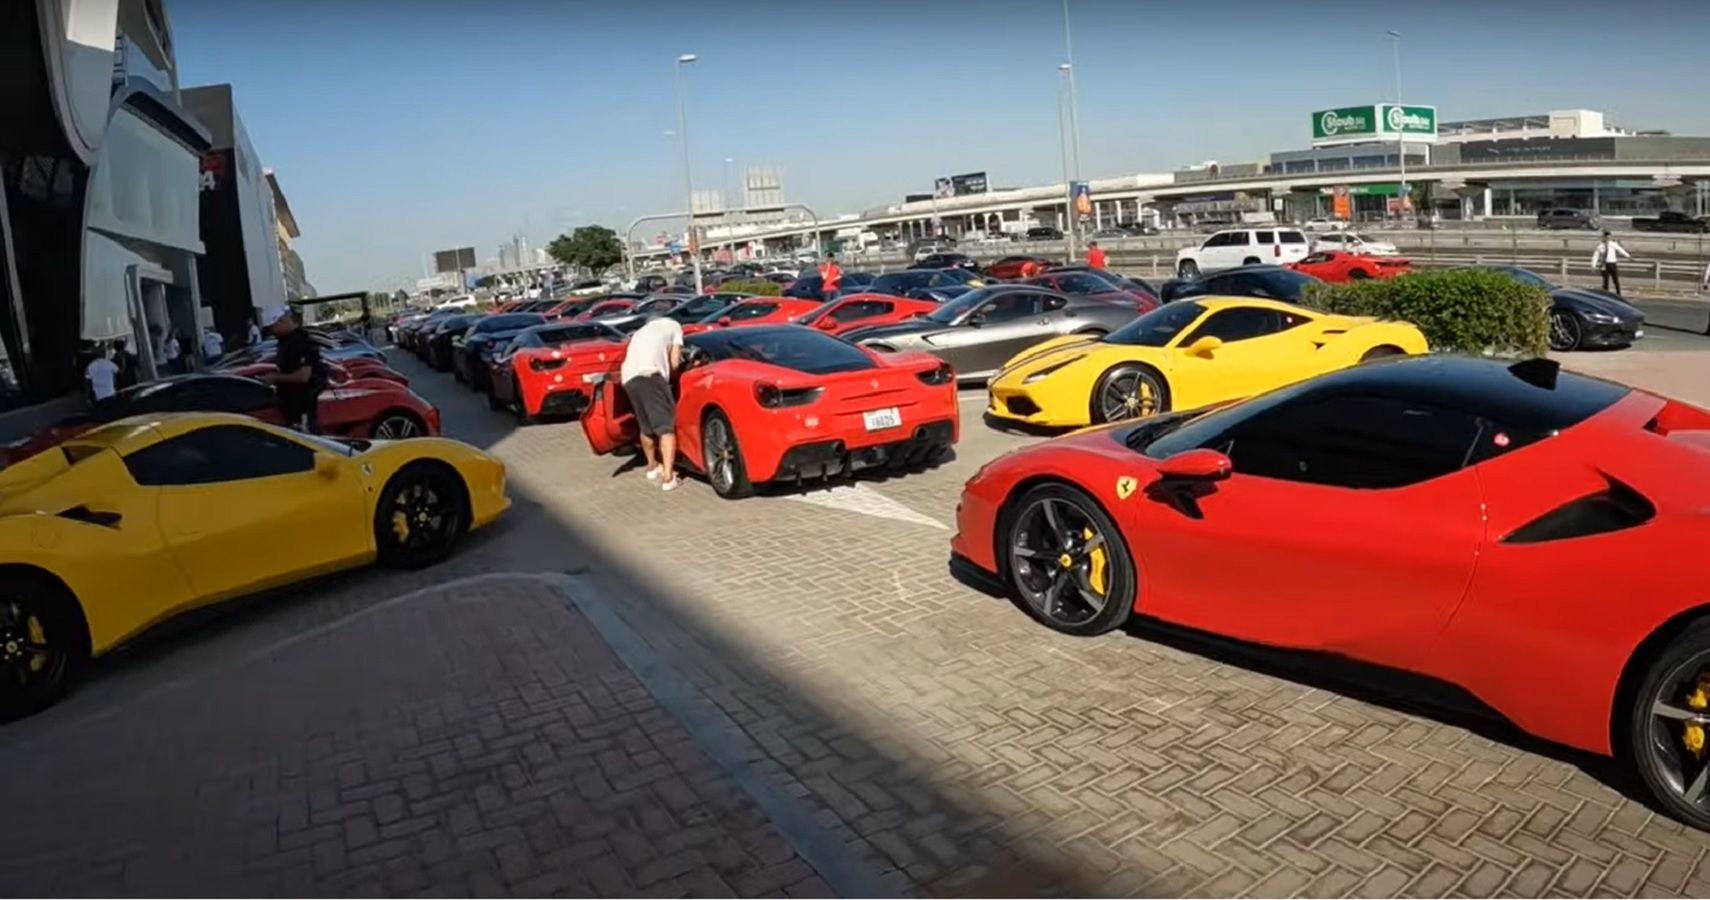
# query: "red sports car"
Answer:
x=574 y=306
x=362 y=408
x=1482 y=523
x=611 y=306
x=1337 y=266
x=551 y=369
x=756 y=311
x=339 y=374
x=858 y=310
x=1011 y=268
x=777 y=402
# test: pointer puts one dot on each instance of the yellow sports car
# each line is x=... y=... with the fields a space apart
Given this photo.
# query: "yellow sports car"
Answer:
x=150 y=516
x=1184 y=355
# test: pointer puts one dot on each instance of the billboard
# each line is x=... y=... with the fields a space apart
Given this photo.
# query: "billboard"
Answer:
x=971 y=183
x=460 y=259
x=1373 y=122
x=943 y=189
x=1082 y=192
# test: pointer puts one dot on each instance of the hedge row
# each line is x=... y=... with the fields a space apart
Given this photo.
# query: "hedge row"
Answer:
x=758 y=286
x=1464 y=311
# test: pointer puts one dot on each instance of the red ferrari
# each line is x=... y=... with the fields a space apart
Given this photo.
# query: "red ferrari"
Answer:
x=361 y=408
x=1338 y=266
x=1011 y=268
x=859 y=310
x=551 y=370
x=1482 y=523
x=345 y=373
x=773 y=403
x=756 y=311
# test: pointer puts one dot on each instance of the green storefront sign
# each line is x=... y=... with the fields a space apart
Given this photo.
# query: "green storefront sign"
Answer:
x=1384 y=189
x=1379 y=120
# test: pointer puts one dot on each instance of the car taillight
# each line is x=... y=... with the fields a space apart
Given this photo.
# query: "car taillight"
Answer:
x=943 y=374
x=545 y=365
x=770 y=396
x=433 y=420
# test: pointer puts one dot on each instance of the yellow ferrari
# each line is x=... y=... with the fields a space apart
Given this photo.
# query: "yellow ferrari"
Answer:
x=145 y=518
x=1184 y=355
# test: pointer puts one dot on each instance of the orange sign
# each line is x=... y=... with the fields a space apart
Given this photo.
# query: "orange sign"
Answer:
x=1340 y=206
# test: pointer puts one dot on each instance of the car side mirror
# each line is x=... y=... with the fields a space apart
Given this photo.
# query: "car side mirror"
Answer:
x=723 y=320
x=977 y=319
x=827 y=324
x=1205 y=346
x=1199 y=464
x=326 y=466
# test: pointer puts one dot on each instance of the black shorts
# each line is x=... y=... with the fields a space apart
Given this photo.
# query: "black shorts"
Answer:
x=655 y=408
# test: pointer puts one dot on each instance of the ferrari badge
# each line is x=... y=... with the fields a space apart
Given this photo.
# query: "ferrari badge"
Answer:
x=1125 y=486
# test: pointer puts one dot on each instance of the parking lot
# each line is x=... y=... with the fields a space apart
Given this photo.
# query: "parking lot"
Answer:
x=835 y=688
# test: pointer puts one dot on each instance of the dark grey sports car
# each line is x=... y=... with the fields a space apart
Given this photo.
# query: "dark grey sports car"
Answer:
x=1584 y=318
x=977 y=331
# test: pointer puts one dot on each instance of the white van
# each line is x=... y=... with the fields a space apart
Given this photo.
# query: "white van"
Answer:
x=1242 y=247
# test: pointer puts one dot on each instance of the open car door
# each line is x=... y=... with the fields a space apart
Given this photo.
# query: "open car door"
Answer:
x=608 y=421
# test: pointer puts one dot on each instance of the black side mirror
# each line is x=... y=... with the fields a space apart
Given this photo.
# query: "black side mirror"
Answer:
x=977 y=319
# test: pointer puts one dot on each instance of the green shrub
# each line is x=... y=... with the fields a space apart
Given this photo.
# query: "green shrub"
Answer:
x=758 y=286
x=1461 y=311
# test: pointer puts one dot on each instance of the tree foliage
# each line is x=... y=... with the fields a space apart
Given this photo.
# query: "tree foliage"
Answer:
x=592 y=247
x=1460 y=311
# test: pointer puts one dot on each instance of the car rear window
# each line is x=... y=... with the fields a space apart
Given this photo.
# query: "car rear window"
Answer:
x=790 y=347
x=1291 y=237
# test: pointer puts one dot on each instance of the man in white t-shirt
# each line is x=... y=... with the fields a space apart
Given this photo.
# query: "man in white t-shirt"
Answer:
x=654 y=353
x=213 y=346
x=254 y=333
x=1607 y=260
x=103 y=377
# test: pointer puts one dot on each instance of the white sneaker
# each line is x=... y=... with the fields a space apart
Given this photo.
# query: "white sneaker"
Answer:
x=655 y=473
x=675 y=483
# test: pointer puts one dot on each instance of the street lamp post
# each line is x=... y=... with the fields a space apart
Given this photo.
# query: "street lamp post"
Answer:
x=1074 y=122
x=1401 y=202
x=1065 y=72
x=688 y=178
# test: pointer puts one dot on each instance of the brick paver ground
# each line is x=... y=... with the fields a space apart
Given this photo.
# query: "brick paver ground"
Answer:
x=477 y=739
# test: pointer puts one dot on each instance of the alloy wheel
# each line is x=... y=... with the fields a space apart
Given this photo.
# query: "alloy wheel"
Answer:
x=28 y=656
x=393 y=428
x=1127 y=395
x=423 y=516
x=1059 y=562
x=720 y=454
x=1564 y=331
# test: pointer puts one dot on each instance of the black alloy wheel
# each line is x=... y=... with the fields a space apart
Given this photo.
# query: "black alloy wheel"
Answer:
x=1187 y=269
x=40 y=643
x=1067 y=562
x=396 y=426
x=1565 y=330
x=421 y=514
x=722 y=457
x=1129 y=392
x=524 y=419
x=1667 y=733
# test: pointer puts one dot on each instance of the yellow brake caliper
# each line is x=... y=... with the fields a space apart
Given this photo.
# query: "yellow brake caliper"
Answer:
x=1095 y=576
x=1697 y=701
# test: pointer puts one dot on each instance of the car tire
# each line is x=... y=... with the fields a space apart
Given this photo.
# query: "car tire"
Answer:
x=1134 y=380
x=422 y=512
x=1384 y=352
x=1669 y=714
x=1359 y=275
x=397 y=425
x=1566 y=332
x=524 y=419
x=43 y=642
x=493 y=402
x=721 y=457
x=1187 y=268
x=1092 y=595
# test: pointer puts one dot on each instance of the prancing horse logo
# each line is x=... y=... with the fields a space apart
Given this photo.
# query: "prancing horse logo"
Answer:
x=1125 y=486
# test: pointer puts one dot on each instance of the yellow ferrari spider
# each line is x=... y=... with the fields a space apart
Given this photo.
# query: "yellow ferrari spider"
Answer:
x=1184 y=355
x=150 y=516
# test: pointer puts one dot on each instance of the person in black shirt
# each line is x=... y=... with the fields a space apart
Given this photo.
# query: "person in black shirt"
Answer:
x=300 y=374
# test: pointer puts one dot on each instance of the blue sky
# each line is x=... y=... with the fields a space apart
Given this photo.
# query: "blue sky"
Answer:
x=400 y=127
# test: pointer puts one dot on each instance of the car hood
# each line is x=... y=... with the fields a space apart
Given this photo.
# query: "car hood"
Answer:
x=900 y=329
x=1055 y=355
x=1587 y=300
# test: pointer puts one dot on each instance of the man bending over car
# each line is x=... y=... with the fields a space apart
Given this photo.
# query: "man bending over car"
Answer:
x=654 y=353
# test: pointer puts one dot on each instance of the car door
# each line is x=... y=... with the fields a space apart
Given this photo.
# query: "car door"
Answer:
x=854 y=314
x=1254 y=351
x=1349 y=524
x=608 y=421
x=243 y=507
x=996 y=330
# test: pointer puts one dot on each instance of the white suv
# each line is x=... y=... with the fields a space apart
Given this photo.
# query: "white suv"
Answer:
x=1353 y=242
x=1242 y=247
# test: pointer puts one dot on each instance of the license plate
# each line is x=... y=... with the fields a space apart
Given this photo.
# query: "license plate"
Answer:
x=1639 y=334
x=880 y=419
x=593 y=377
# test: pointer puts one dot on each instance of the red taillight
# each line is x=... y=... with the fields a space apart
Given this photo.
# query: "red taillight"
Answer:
x=770 y=396
x=544 y=365
x=943 y=374
x=433 y=420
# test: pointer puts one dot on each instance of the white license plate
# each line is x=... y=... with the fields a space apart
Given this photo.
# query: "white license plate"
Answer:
x=880 y=419
x=1639 y=334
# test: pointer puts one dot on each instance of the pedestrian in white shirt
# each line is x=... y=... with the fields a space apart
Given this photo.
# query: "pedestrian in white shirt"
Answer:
x=213 y=346
x=1607 y=259
x=654 y=351
x=173 y=351
x=254 y=333
x=103 y=377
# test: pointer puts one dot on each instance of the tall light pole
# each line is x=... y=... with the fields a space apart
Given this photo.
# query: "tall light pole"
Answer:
x=1074 y=115
x=1401 y=132
x=688 y=178
x=725 y=186
x=1064 y=73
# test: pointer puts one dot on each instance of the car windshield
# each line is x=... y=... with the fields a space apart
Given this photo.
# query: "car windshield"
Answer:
x=1158 y=327
x=790 y=347
x=1526 y=276
x=507 y=322
x=954 y=309
x=335 y=445
x=900 y=283
x=816 y=312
